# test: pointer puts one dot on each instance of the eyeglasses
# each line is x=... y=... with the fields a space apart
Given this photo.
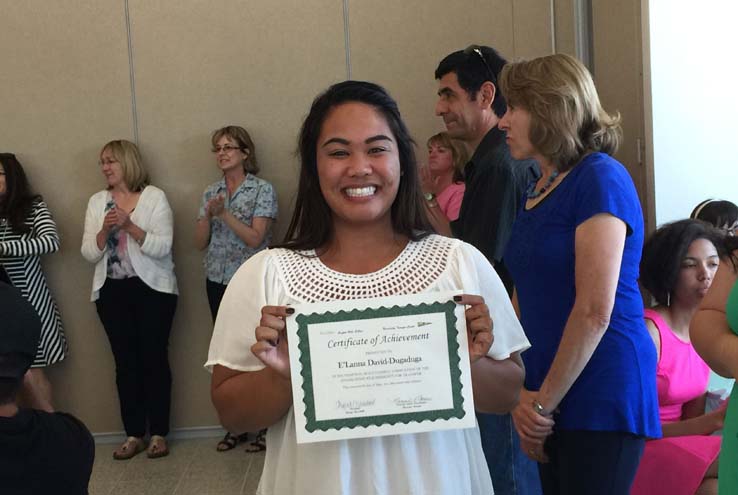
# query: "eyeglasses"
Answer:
x=107 y=161
x=476 y=49
x=225 y=149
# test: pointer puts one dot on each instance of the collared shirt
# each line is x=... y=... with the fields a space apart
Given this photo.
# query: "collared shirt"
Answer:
x=255 y=197
x=495 y=185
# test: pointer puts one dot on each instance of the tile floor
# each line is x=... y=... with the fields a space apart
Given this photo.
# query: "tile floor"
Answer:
x=193 y=467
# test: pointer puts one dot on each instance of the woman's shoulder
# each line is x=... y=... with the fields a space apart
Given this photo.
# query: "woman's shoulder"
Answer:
x=259 y=182
x=153 y=191
x=601 y=165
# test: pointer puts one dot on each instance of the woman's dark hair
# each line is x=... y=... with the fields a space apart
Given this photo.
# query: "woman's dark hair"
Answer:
x=18 y=200
x=311 y=226
x=664 y=251
x=718 y=213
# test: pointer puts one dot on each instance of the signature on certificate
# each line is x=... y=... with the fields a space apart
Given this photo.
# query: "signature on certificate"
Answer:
x=355 y=404
x=418 y=400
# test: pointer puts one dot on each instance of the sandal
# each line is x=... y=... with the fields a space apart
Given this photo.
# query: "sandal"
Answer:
x=157 y=447
x=230 y=441
x=259 y=443
x=131 y=447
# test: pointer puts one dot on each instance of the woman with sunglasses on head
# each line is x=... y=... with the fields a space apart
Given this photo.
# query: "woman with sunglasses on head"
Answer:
x=677 y=268
x=27 y=231
x=589 y=400
x=235 y=223
x=359 y=231
x=128 y=236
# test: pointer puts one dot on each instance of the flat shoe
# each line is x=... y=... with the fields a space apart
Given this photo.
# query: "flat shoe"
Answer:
x=131 y=447
x=157 y=447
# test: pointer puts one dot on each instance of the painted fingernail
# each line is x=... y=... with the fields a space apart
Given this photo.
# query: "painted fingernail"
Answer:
x=289 y=311
x=457 y=298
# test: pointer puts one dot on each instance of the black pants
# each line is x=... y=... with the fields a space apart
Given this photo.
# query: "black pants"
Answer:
x=215 y=293
x=590 y=462
x=137 y=320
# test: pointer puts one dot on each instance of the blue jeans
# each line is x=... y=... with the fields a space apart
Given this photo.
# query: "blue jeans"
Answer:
x=512 y=472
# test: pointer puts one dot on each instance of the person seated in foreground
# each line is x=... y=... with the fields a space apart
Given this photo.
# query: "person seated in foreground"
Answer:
x=40 y=452
x=678 y=265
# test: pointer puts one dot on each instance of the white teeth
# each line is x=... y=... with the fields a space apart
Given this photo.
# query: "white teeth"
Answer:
x=359 y=192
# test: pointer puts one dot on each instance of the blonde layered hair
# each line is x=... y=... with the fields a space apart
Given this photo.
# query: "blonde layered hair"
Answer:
x=458 y=153
x=567 y=119
x=127 y=154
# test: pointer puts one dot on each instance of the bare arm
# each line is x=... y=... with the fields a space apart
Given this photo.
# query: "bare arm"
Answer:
x=252 y=235
x=709 y=330
x=202 y=233
x=249 y=401
x=437 y=219
x=497 y=384
x=599 y=244
x=703 y=424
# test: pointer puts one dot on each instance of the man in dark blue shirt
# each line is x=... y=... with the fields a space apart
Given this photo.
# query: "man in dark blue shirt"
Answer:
x=40 y=452
x=471 y=105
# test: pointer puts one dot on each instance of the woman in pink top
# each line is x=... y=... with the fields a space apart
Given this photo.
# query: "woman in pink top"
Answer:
x=677 y=268
x=443 y=181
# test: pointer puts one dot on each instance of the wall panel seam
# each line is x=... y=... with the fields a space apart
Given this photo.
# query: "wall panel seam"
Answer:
x=131 y=72
x=347 y=37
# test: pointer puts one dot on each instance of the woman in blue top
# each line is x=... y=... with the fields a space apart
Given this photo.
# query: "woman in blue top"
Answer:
x=589 y=399
x=235 y=223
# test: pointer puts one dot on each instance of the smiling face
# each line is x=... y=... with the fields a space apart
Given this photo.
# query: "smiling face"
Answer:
x=228 y=155
x=697 y=271
x=516 y=124
x=358 y=164
x=111 y=168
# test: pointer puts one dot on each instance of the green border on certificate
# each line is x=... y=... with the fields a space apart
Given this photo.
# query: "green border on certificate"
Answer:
x=303 y=321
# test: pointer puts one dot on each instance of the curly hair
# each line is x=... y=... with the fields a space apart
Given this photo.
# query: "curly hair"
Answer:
x=664 y=251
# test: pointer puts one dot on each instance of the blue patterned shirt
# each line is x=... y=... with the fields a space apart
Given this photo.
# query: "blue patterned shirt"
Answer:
x=255 y=197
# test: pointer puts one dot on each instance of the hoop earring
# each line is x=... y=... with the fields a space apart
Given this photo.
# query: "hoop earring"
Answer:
x=668 y=299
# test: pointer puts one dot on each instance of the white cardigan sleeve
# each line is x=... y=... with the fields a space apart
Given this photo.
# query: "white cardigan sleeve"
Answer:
x=93 y=222
x=159 y=228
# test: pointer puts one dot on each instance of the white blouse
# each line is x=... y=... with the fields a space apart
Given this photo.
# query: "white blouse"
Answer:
x=441 y=462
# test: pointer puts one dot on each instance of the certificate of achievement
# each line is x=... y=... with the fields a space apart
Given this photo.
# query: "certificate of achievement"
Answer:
x=386 y=366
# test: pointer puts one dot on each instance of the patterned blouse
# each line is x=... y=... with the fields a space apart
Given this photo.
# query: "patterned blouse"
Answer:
x=255 y=197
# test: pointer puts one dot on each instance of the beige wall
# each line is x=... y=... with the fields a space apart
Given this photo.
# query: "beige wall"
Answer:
x=197 y=66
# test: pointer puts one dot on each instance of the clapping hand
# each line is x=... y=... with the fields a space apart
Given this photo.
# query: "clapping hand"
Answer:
x=122 y=219
x=271 y=339
x=215 y=206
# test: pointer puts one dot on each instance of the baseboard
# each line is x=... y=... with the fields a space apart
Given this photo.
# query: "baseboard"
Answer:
x=178 y=434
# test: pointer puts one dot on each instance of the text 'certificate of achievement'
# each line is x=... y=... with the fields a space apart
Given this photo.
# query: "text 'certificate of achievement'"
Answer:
x=385 y=366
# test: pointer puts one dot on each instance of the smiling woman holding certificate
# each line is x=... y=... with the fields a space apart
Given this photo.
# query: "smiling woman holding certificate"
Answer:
x=359 y=233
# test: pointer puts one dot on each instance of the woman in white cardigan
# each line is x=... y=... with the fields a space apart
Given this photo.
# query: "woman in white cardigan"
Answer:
x=128 y=235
